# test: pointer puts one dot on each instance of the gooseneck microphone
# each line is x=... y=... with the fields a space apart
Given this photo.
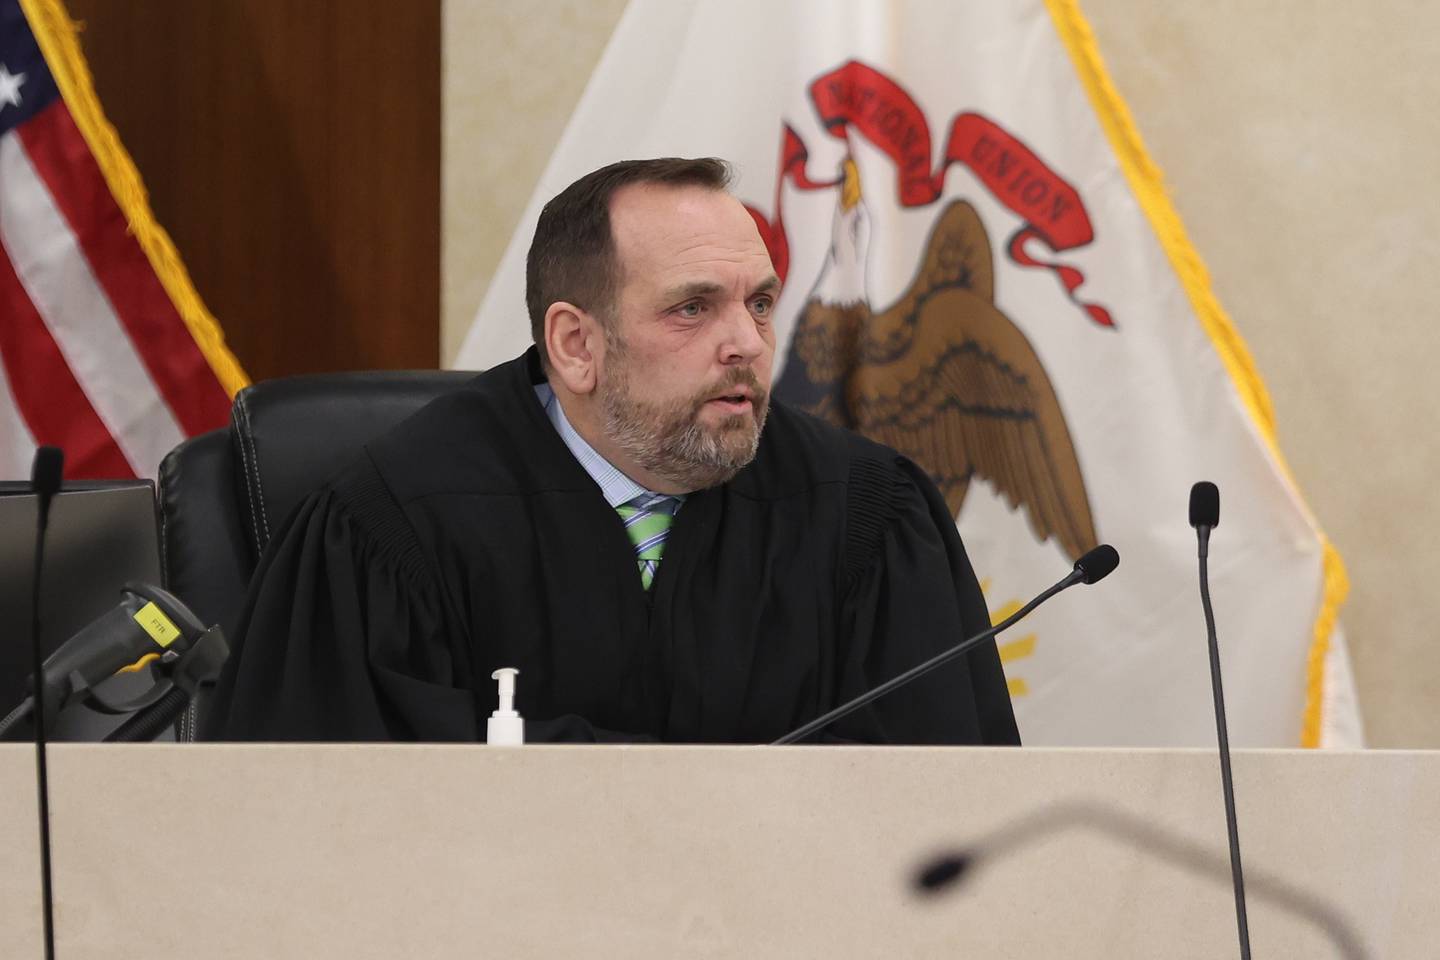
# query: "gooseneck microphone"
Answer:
x=953 y=868
x=45 y=477
x=1205 y=517
x=1091 y=568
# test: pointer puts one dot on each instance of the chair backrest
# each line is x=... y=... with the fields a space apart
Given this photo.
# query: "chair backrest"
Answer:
x=293 y=434
x=223 y=494
x=205 y=558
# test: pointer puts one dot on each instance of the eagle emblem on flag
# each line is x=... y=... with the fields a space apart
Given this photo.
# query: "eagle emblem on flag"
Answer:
x=941 y=375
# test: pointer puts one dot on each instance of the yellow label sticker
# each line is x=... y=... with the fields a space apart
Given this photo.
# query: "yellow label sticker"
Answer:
x=154 y=622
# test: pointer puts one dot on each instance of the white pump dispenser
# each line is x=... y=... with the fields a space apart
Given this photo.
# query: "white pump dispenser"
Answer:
x=505 y=728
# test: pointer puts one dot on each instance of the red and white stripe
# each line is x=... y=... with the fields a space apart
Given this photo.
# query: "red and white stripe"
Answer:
x=16 y=443
x=94 y=356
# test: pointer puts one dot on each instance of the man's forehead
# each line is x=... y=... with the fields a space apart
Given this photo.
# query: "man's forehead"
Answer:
x=648 y=218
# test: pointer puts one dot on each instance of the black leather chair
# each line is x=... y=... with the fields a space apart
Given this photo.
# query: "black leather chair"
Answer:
x=224 y=493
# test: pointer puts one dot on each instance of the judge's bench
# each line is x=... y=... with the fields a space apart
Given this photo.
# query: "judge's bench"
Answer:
x=356 y=851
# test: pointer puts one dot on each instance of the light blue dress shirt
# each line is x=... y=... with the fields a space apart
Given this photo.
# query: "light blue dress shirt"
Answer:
x=615 y=486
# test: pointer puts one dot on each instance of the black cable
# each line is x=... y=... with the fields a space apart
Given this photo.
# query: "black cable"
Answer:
x=150 y=722
x=16 y=715
x=1237 y=876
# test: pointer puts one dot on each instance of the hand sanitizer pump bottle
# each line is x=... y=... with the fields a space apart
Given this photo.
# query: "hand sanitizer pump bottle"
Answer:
x=505 y=728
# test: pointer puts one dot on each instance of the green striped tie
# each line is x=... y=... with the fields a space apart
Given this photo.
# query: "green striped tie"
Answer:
x=647 y=522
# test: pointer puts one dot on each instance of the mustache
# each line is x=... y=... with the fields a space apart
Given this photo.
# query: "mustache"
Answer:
x=736 y=377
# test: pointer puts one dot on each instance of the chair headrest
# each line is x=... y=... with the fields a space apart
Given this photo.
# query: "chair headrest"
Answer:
x=293 y=433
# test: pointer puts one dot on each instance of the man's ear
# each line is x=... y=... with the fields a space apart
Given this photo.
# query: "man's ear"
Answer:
x=573 y=338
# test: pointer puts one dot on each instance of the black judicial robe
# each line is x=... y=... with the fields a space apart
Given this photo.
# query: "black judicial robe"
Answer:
x=469 y=538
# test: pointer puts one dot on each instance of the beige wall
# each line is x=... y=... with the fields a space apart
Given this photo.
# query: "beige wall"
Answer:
x=513 y=70
x=1300 y=140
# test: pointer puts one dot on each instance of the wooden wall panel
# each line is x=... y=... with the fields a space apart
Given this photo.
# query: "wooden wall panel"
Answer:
x=292 y=150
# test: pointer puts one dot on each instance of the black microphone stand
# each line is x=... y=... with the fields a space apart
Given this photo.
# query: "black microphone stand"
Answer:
x=952 y=868
x=870 y=696
x=1205 y=517
x=1227 y=779
x=1094 y=566
x=46 y=474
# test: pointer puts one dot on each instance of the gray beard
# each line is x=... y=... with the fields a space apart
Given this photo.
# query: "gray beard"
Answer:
x=668 y=440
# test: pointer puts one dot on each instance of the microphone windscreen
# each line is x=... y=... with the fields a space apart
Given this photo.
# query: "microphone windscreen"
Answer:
x=1098 y=563
x=47 y=471
x=1204 y=505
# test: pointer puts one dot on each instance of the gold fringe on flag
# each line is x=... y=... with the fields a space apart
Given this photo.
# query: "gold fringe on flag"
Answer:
x=1148 y=183
x=56 y=34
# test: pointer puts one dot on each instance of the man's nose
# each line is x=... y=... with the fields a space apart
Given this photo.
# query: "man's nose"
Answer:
x=743 y=342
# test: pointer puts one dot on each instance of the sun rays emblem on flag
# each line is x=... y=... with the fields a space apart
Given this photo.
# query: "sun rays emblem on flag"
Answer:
x=941 y=374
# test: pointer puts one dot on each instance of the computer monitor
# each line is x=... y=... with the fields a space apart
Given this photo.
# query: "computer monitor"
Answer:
x=101 y=535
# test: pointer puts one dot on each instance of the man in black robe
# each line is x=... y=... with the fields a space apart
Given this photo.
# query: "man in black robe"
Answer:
x=622 y=515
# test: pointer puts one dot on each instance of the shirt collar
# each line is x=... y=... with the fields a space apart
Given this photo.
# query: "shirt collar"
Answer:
x=615 y=486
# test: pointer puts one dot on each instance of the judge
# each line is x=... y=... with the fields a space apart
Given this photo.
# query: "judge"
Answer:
x=622 y=514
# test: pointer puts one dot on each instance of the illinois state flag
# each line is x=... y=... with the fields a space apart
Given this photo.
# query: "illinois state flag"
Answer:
x=982 y=270
x=105 y=348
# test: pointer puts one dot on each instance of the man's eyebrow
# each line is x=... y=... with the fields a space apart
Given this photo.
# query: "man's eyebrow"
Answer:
x=685 y=291
x=769 y=285
x=705 y=288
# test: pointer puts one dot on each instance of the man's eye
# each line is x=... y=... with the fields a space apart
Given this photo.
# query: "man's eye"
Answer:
x=691 y=309
x=761 y=307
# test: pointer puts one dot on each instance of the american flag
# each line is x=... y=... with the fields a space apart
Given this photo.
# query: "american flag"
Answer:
x=105 y=348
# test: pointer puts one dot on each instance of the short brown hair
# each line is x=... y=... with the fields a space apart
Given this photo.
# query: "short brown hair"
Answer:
x=572 y=256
